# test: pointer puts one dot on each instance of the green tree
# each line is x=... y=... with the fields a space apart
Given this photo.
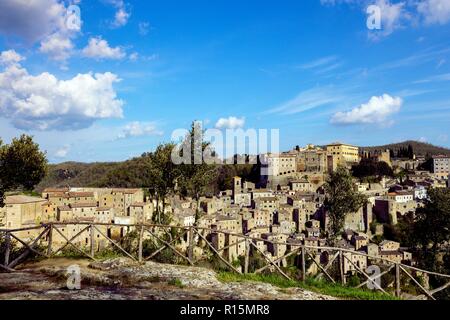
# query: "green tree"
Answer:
x=163 y=173
x=341 y=199
x=432 y=226
x=372 y=168
x=22 y=165
x=196 y=177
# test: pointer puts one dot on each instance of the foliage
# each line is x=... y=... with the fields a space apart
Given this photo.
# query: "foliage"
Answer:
x=199 y=172
x=402 y=232
x=176 y=282
x=353 y=281
x=22 y=165
x=419 y=148
x=369 y=168
x=341 y=199
x=431 y=229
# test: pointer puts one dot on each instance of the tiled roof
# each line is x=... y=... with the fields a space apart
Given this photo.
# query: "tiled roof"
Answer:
x=22 y=199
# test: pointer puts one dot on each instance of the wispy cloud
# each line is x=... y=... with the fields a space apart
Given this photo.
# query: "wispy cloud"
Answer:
x=436 y=78
x=318 y=63
x=425 y=56
x=310 y=99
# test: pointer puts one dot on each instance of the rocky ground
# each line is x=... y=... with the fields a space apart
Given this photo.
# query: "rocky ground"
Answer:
x=124 y=279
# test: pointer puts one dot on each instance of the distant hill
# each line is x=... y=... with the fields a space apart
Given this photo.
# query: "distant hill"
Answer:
x=76 y=174
x=419 y=148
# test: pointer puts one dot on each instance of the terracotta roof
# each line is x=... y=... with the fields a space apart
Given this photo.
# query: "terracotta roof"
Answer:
x=22 y=199
x=58 y=195
x=64 y=208
x=103 y=209
x=267 y=199
x=125 y=190
x=83 y=205
x=138 y=204
x=47 y=190
x=81 y=194
x=390 y=253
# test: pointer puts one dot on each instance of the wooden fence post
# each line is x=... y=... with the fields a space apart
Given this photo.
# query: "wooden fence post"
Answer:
x=141 y=236
x=397 y=280
x=8 y=248
x=50 y=240
x=303 y=264
x=341 y=267
x=191 y=243
x=92 y=240
x=247 y=255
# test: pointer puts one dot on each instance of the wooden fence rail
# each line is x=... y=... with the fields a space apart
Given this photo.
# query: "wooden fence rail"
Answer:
x=44 y=245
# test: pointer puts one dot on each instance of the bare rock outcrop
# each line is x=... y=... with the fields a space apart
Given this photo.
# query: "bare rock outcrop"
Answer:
x=123 y=278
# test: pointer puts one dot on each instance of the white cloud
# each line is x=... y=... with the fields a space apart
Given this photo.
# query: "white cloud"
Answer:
x=46 y=21
x=399 y=14
x=230 y=123
x=43 y=102
x=57 y=46
x=121 y=18
x=10 y=57
x=62 y=152
x=393 y=16
x=137 y=129
x=122 y=15
x=377 y=110
x=435 y=11
x=31 y=20
x=99 y=49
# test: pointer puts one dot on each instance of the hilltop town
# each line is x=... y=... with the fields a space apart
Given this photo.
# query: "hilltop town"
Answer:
x=289 y=209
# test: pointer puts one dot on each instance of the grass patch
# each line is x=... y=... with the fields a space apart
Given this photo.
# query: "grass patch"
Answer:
x=176 y=282
x=318 y=286
x=107 y=254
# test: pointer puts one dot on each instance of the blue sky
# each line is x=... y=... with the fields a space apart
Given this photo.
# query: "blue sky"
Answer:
x=134 y=71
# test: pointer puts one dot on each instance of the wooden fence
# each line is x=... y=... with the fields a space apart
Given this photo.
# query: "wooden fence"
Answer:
x=44 y=245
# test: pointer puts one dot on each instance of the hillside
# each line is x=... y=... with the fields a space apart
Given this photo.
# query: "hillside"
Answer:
x=420 y=148
x=132 y=173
